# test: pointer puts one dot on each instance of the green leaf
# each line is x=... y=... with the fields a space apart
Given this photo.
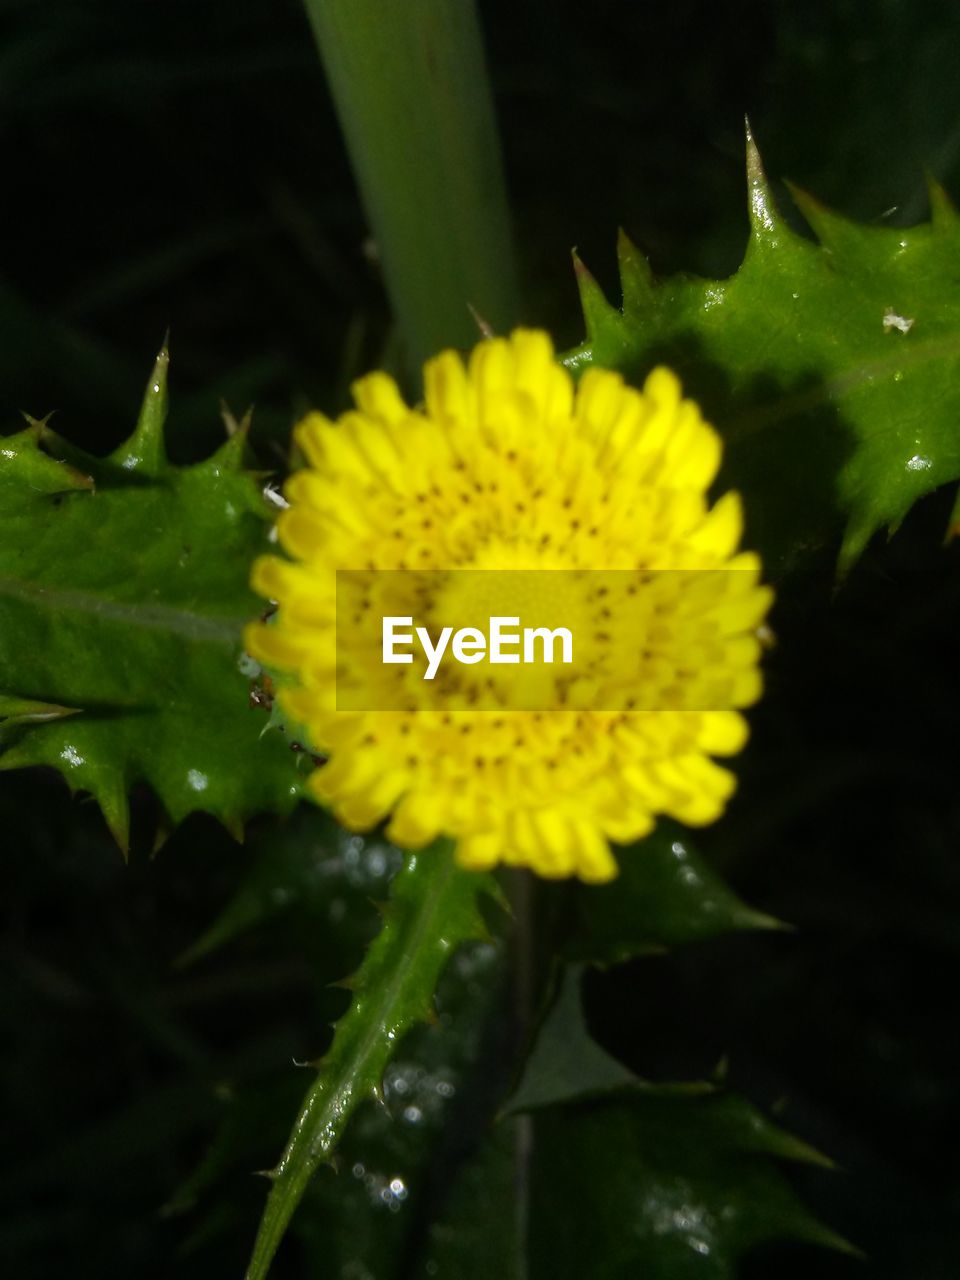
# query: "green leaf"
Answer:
x=123 y=591
x=433 y=910
x=566 y=1061
x=661 y=1186
x=395 y=1160
x=661 y=1181
x=359 y=1217
x=832 y=369
x=304 y=866
x=665 y=895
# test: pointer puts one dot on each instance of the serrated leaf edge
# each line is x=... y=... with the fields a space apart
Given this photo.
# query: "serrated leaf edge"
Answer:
x=433 y=910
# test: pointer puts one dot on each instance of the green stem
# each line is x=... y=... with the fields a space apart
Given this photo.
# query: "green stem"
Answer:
x=409 y=82
x=433 y=908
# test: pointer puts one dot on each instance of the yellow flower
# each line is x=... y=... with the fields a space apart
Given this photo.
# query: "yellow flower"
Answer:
x=508 y=466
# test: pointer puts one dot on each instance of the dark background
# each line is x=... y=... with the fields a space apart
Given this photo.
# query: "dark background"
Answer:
x=177 y=164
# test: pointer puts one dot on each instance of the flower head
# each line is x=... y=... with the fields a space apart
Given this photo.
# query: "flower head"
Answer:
x=506 y=467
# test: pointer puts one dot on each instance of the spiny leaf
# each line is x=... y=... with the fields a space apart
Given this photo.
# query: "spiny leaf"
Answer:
x=662 y=1181
x=566 y=1061
x=318 y=880
x=832 y=369
x=665 y=895
x=304 y=865
x=433 y=909
x=144 y=452
x=28 y=475
x=123 y=590
x=660 y=1185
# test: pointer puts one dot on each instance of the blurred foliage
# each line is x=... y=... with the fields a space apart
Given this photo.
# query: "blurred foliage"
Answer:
x=162 y=170
x=665 y=895
x=609 y=1175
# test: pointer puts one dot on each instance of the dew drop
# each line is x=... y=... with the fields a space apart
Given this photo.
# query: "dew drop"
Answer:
x=919 y=463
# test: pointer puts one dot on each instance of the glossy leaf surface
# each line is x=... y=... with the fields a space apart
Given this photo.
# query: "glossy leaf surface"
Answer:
x=667 y=1181
x=123 y=590
x=830 y=367
x=666 y=894
x=433 y=910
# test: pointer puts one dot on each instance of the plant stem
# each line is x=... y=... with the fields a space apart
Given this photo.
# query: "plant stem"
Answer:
x=433 y=909
x=409 y=82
